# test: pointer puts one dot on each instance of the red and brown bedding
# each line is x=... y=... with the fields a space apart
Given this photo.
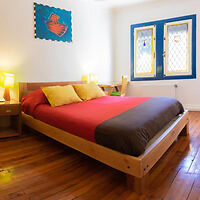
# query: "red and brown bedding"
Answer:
x=125 y=124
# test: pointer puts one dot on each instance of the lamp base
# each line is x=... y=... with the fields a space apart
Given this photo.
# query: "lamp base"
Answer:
x=6 y=95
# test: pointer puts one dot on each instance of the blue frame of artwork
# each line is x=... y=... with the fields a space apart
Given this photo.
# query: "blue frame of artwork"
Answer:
x=160 y=46
x=52 y=23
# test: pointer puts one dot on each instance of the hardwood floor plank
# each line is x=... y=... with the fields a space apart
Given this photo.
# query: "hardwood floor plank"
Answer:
x=195 y=167
x=181 y=186
x=115 y=193
x=195 y=192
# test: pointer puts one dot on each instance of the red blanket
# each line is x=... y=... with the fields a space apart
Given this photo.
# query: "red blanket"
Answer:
x=82 y=118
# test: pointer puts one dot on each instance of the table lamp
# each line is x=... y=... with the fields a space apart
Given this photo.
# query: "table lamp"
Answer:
x=90 y=78
x=93 y=78
x=85 y=78
x=7 y=82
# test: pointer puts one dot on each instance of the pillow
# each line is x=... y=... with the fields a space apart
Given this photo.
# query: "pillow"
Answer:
x=60 y=95
x=30 y=101
x=88 y=91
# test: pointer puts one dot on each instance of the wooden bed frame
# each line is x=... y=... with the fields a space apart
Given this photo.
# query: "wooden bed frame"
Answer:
x=136 y=168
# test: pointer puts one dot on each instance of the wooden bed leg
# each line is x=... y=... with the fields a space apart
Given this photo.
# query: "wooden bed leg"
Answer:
x=185 y=130
x=139 y=185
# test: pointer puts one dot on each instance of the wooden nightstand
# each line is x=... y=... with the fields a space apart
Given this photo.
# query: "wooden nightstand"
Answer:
x=10 y=119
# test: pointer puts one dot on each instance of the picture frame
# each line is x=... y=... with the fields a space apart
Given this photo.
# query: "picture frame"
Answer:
x=52 y=23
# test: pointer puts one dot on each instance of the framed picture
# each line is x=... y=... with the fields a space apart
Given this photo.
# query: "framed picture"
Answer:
x=52 y=23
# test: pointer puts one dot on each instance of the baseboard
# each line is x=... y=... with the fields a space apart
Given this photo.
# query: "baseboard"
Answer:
x=192 y=107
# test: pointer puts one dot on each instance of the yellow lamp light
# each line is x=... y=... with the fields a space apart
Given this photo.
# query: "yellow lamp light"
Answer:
x=93 y=78
x=90 y=78
x=85 y=78
x=8 y=81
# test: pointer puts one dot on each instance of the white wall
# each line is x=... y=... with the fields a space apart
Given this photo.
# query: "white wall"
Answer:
x=188 y=91
x=44 y=60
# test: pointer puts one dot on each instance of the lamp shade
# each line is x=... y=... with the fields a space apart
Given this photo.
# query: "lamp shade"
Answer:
x=90 y=78
x=85 y=78
x=8 y=80
x=93 y=78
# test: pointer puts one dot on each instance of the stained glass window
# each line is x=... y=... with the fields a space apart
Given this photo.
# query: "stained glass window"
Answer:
x=164 y=49
x=144 y=51
x=177 y=57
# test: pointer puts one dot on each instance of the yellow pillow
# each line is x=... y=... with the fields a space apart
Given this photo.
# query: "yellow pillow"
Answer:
x=88 y=91
x=60 y=95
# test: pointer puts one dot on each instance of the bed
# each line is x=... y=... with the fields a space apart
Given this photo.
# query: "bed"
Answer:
x=128 y=160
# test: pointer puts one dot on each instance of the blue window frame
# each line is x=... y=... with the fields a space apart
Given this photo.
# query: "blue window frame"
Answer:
x=160 y=47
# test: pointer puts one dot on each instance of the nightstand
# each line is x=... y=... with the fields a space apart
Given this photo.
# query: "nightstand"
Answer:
x=10 y=119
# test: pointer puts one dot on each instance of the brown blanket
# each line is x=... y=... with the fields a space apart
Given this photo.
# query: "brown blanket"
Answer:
x=130 y=131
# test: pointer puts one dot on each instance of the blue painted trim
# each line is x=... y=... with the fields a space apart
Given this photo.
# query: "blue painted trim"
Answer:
x=160 y=46
x=132 y=51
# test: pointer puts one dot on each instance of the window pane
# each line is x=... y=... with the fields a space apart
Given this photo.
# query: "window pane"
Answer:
x=144 y=52
x=177 y=48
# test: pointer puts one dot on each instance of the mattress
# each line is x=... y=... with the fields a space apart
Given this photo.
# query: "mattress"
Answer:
x=125 y=124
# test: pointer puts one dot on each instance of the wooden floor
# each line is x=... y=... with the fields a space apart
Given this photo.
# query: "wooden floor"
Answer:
x=34 y=167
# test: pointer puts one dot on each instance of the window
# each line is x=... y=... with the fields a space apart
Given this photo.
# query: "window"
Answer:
x=164 y=49
x=144 y=51
x=177 y=48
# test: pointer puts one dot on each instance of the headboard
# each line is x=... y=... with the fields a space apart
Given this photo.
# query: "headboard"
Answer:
x=27 y=87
